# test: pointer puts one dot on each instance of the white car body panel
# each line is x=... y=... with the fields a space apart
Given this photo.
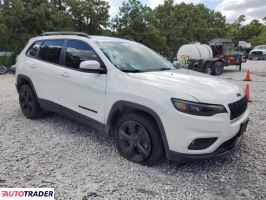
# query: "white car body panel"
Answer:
x=79 y=90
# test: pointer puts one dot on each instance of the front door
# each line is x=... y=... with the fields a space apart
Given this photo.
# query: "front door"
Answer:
x=82 y=92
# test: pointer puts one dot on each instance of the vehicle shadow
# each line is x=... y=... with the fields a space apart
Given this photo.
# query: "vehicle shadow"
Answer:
x=231 y=69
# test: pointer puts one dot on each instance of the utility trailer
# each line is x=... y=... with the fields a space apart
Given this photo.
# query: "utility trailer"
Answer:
x=199 y=57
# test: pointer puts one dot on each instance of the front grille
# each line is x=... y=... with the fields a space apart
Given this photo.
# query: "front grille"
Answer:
x=238 y=108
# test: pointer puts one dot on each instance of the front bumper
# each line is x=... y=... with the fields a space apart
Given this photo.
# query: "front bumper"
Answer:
x=223 y=149
x=182 y=130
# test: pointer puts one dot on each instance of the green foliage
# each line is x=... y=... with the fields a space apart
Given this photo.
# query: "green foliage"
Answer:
x=259 y=39
x=185 y=23
x=169 y=26
x=8 y=61
x=164 y=28
x=22 y=19
x=241 y=31
x=89 y=16
x=137 y=22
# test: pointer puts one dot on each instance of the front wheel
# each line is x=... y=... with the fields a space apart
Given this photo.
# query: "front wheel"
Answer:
x=138 y=139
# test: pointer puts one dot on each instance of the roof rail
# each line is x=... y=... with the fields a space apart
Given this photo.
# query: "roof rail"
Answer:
x=66 y=33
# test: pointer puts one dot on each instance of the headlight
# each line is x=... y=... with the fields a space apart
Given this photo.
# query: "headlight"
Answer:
x=195 y=108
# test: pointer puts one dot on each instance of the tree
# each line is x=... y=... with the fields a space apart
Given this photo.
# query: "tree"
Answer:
x=22 y=19
x=136 y=21
x=89 y=15
x=185 y=23
x=239 y=31
x=260 y=39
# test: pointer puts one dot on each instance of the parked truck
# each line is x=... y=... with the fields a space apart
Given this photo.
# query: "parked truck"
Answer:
x=224 y=48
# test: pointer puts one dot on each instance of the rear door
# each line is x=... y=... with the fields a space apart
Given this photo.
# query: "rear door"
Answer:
x=46 y=69
x=83 y=92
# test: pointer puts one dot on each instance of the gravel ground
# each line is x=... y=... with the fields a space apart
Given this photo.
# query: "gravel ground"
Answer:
x=54 y=151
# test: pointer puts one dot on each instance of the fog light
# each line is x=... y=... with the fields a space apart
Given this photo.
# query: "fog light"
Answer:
x=201 y=143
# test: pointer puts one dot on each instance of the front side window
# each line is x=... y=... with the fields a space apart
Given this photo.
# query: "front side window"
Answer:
x=78 y=51
x=50 y=50
x=34 y=48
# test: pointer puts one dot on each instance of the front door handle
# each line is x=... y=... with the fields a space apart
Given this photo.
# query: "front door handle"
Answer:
x=64 y=74
x=32 y=65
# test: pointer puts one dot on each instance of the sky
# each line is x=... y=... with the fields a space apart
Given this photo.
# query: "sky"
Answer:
x=252 y=9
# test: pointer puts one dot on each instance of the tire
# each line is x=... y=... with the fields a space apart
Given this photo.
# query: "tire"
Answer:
x=138 y=139
x=28 y=102
x=218 y=68
x=208 y=70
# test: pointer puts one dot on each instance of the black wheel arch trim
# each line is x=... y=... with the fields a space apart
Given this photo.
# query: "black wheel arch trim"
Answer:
x=21 y=77
x=120 y=104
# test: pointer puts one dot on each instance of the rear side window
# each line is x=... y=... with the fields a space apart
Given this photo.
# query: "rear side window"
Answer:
x=78 y=51
x=34 y=48
x=50 y=50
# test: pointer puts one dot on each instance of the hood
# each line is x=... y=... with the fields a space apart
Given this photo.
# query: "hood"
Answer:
x=204 y=88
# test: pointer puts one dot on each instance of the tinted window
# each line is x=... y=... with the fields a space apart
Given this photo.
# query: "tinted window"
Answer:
x=257 y=52
x=50 y=50
x=77 y=52
x=34 y=49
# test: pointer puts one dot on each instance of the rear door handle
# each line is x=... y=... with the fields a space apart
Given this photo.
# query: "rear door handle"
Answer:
x=64 y=74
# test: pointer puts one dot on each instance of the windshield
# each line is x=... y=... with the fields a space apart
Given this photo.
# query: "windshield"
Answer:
x=260 y=47
x=133 y=57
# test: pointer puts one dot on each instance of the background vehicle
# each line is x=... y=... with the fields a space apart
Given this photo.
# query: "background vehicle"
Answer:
x=224 y=49
x=259 y=53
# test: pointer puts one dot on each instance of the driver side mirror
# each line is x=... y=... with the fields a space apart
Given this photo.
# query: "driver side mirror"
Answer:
x=91 y=66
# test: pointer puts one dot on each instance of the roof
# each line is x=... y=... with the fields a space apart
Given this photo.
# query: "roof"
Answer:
x=108 y=38
x=219 y=41
x=57 y=35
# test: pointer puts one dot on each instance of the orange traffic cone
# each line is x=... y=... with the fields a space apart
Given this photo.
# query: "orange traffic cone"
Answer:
x=247 y=78
x=247 y=92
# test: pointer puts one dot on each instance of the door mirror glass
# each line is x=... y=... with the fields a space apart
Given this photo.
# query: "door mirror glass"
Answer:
x=90 y=65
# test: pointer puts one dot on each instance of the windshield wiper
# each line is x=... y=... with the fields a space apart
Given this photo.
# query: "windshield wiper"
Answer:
x=132 y=70
x=165 y=68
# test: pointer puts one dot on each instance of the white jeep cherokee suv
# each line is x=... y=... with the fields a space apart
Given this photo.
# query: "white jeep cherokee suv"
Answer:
x=128 y=91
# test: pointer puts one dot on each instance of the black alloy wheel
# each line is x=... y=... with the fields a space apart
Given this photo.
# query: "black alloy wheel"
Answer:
x=134 y=141
x=138 y=138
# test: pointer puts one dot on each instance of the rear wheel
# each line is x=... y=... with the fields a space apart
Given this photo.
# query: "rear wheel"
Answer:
x=138 y=140
x=28 y=102
x=208 y=70
x=218 y=68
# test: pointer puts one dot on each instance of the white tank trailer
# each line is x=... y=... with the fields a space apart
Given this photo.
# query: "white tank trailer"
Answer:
x=199 y=57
